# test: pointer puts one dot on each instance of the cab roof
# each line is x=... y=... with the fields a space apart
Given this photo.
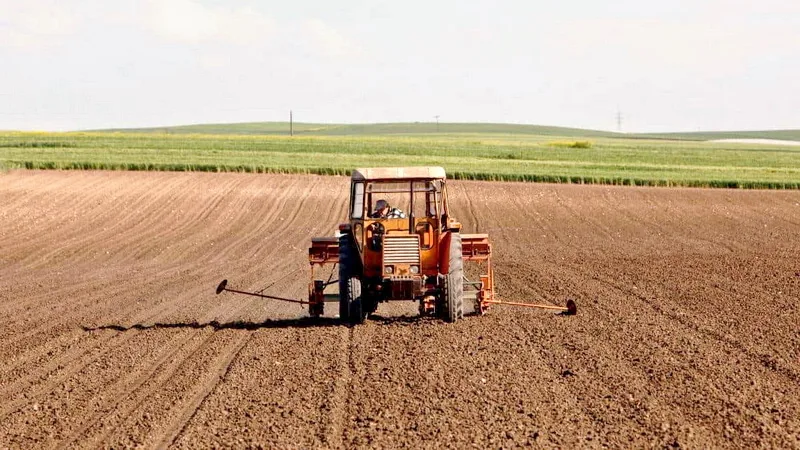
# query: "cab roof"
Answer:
x=398 y=173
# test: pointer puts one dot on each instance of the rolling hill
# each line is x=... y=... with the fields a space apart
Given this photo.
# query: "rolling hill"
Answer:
x=416 y=128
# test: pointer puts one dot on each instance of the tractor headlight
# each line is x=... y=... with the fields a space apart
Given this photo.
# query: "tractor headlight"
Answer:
x=388 y=270
x=414 y=269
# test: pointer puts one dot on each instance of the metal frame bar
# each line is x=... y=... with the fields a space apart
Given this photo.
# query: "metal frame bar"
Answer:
x=272 y=297
x=528 y=305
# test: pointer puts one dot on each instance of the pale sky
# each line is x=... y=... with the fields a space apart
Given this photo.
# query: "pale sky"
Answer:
x=671 y=65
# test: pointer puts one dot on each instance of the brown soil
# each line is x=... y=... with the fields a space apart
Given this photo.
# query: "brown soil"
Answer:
x=687 y=332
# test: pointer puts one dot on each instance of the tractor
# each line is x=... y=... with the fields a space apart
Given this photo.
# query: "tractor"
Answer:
x=401 y=242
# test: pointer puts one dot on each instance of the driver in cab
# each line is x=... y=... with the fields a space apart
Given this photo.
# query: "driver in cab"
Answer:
x=384 y=211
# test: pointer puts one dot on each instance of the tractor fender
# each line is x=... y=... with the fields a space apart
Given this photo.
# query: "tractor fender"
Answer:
x=444 y=252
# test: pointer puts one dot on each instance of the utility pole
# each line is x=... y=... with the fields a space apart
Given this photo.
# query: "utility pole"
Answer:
x=619 y=121
x=291 y=124
x=437 y=123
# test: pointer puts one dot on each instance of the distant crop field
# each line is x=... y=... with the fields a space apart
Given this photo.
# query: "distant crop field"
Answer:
x=430 y=128
x=788 y=135
x=479 y=156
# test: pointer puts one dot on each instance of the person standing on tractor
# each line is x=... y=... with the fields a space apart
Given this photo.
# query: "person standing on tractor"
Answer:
x=384 y=211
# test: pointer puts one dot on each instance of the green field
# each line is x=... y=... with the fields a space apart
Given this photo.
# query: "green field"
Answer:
x=482 y=155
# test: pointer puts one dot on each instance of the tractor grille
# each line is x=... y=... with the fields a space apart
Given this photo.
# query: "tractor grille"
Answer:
x=401 y=250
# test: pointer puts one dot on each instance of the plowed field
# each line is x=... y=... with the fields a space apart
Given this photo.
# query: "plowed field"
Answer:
x=688 y=330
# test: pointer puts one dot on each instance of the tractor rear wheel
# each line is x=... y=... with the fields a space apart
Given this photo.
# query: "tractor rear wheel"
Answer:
x=353 y=300
x=350 y=308
x=453 y=283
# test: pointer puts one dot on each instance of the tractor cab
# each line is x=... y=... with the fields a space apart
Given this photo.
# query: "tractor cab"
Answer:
x=397 y=216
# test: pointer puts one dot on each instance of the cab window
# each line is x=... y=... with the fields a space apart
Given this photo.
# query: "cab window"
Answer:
x=357 y=211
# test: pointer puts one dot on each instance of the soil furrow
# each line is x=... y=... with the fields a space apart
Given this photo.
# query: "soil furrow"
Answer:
x=131 y=385
x=23 y=390
x=335 y=414
x=98 y=431
x=219 y=371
